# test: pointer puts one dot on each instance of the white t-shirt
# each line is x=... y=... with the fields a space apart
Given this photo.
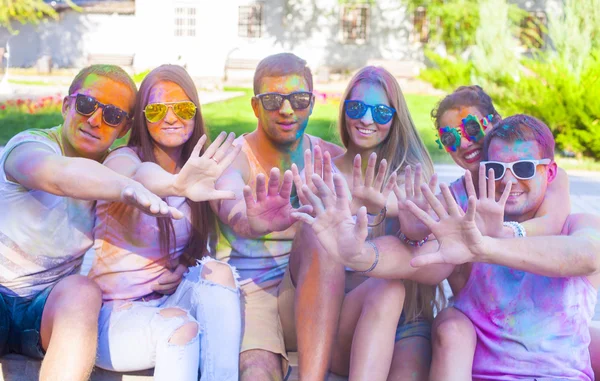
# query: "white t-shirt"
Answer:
x=43 y=237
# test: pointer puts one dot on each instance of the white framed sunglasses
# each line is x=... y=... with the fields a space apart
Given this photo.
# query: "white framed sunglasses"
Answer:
x=522 y=169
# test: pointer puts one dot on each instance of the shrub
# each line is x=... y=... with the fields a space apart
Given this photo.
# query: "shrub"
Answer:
x=568 y=104
x=446 y=73
x=561 y=86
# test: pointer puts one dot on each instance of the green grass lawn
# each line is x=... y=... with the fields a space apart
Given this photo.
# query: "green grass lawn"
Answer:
x=236 y=115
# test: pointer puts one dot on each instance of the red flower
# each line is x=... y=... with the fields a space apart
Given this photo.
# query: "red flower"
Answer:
x=2 y=107
x=20 y=102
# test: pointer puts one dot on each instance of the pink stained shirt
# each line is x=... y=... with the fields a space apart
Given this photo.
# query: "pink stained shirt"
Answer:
x=126 y=242
x=528 y=326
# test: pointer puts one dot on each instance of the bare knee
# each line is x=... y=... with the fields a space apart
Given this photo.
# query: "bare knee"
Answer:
x=73 y=304
x=412 y=359
x=219 y=273
x=172 y=312
x=185 y=334
x=78 y=289
x=386 y=297
x=76 y=296
x=451 y=327
x=260 y=365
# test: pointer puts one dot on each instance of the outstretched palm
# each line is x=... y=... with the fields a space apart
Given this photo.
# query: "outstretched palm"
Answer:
x=197 y=178
x=490 y=213
x=459 y=239
x=271 y=211
x=370 y=192
x=411 y=226
x=336 y=230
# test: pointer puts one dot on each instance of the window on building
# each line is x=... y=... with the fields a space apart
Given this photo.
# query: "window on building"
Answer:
x=355 y=20
x=185 y=22
x=533 y=30
x=420 y=32
x=250 y=20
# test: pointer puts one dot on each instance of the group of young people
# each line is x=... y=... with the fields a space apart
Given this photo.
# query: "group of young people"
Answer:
x=214 y=260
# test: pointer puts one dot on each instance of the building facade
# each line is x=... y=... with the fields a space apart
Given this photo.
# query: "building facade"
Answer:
x=221 y=38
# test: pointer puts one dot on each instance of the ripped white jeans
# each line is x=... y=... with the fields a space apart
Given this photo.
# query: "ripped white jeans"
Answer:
x=135 y=336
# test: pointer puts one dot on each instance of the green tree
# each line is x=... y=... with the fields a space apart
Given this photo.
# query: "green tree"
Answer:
x=26 y=12
x=452 y=22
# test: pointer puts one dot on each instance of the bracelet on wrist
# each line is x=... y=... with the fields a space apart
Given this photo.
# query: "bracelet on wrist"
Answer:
x=376 y=219
x=518 y=229
x=375 y=262
x=411 y=242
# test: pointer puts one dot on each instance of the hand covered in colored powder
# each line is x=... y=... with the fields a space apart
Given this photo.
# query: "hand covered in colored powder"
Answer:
x=370 y=191
x=333 y=224
x=490 y=213
x=271 y=211
x=459 y=239
x=197 y=178
x=410 y=225
x=135 y=194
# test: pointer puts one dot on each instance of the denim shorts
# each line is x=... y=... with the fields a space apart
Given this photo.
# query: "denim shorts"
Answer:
x=20 y=322
x=420 y=327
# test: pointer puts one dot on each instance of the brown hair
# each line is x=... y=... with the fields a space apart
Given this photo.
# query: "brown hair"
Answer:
x=466 y=96
x=403 y=146
x=522 y=127
x=279 y=65
x=109 y=71
x=203 y=220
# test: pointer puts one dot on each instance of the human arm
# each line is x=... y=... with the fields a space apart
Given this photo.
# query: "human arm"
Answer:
x=168 y=282
x=34 y=165
x=249 y=217
x=556 y=207
x=575 y=254
x=345 y=240
x=196 y=179
x=461 y=242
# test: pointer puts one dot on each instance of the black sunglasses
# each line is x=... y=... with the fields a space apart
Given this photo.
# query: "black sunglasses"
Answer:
x=382 y=114
x=87 y=105
x=299 y=100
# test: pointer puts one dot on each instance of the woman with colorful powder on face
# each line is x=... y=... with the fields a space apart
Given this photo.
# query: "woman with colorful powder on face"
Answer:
x=158 y=311
x=376 y=129
x=461 y=119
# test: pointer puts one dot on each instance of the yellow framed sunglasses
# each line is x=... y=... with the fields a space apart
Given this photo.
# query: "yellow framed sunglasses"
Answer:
x=155 y=112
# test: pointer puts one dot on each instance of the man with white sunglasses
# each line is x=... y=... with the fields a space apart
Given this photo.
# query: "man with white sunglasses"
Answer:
x=527 y=300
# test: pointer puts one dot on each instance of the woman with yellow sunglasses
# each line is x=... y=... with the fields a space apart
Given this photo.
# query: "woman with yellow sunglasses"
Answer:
x=160 y=311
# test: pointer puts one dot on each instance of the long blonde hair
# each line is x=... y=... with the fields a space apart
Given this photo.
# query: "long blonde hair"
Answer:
x=403 y=146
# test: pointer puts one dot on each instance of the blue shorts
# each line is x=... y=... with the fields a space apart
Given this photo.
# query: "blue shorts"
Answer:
x=20 y=322
x=420 y=327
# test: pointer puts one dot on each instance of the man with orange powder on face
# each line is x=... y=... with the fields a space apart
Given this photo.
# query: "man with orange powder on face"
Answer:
x=49 y=181
x=257 y=239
